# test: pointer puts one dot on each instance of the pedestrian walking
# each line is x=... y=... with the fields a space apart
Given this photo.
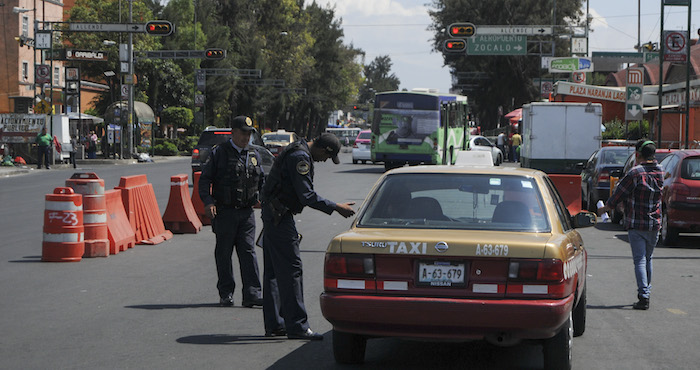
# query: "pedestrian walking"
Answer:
x=73 y=149
x=516 y=141
x=43 y=141
x=234 y=174
x=501 y=144
x=287 y=190
x=640 y=190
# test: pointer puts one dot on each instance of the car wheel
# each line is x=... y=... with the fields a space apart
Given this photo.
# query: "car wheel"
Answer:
x=558 y=350
x=580 y=314
x=354 y=161
x=669 y=235
x=348 y=348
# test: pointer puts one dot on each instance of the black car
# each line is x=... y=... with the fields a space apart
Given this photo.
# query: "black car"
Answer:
x=595 y=177
x=216 y=135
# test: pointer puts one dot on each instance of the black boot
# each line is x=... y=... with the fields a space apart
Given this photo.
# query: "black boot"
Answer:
x=642 y=304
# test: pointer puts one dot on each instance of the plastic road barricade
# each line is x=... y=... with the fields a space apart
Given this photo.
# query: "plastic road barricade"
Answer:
x=63 y=227
x=142 y=210
x=179 y=216
x=197 y=201
x=569 y=187
x=119 y=232
x=92 y=189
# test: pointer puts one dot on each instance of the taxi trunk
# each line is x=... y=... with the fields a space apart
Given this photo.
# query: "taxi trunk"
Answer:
x=428 y=284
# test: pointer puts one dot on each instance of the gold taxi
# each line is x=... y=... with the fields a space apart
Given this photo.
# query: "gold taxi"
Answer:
x=459 y=253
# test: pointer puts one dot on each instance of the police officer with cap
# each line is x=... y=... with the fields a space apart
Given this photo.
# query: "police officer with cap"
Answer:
x=234 y=174
x=287 y=190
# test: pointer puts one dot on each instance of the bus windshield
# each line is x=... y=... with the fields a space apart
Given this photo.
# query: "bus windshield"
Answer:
x=418 y=128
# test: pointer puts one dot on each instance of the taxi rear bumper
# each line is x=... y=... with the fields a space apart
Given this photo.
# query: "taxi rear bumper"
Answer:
x=446 y=318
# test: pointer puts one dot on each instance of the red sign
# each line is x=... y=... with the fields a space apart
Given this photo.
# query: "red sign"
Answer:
x=579 y=77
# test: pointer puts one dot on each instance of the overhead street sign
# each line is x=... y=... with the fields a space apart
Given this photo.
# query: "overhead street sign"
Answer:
x=497 y=45
x=514 y=30
x=107 y=27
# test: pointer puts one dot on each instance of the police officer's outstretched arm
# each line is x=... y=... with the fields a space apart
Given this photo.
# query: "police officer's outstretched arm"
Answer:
x=205 y=179
x=300 y=167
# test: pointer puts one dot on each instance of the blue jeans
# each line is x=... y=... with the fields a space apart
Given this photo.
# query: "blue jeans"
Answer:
x=642 y=243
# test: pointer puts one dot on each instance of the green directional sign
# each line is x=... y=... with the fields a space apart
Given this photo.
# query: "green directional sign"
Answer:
x=497 y=45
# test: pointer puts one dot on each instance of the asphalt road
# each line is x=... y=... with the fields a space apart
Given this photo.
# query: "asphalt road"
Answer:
x=156 y=306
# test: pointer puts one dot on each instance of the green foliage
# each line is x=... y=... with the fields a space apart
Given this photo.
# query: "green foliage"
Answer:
x=165 y=148
x=177 y=116
x=616 y=130
x=291 y=40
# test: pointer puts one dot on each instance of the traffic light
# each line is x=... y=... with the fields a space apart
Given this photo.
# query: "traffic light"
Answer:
x=461 y=30
x=159 y=28
x=455 y=46
x=354 y=107
x=215 y=54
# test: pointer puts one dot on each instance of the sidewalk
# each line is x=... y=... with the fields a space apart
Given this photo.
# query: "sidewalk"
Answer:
x=20 y=170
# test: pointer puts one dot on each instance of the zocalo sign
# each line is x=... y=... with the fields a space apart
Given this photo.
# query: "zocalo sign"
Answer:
x=91 y=55
x=568 y=65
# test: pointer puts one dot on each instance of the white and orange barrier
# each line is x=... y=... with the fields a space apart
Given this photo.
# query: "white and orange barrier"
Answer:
x=180 y=216
x=142 y=210
x=63 y=227
x=569 y=187
x=197 y=201
x=119 y=232
x=92 y=188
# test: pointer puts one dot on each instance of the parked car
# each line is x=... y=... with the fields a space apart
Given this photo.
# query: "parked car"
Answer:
x=481 y=143
x=216 y=135
x=680 y=195
x=277 y=141
x=459 y=253
x=361 y=149
x=595 y=177
x=619 y=212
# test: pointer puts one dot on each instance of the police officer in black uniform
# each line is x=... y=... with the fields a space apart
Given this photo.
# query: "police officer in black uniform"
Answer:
x=287 y=190
x=235 y=176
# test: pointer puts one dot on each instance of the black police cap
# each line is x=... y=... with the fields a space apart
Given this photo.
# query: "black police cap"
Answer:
x=330 y=144
x=243 y=123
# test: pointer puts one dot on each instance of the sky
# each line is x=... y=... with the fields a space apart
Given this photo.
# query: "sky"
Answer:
x=398 y=28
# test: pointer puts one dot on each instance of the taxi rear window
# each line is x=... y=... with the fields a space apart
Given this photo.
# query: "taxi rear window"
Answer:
x=457 y=201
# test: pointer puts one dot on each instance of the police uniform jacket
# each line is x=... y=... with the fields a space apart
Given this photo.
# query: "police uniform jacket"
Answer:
x=235 y=178
x=291 y=181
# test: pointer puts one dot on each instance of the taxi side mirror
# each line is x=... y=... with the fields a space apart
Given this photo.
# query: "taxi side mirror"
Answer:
x=584 y=219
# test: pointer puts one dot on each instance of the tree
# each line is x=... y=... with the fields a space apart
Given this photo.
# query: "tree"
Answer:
x=509 y=82
x=176 y=116
x=378 y=76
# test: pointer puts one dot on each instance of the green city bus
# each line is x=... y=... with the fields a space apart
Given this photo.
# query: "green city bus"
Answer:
x=418 y=128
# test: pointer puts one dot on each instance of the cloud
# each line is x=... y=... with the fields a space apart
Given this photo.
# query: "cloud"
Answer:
x=374 y=8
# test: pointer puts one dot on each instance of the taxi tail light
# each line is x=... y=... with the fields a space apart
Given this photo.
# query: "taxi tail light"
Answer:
x=195 y=154
x=538 y=278
x=604 y=176
x=372 y=142
x=354 y=145
x=349 y=265
x=536 y=270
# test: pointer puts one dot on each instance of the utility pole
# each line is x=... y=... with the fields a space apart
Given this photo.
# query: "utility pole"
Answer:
x=130 y=119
